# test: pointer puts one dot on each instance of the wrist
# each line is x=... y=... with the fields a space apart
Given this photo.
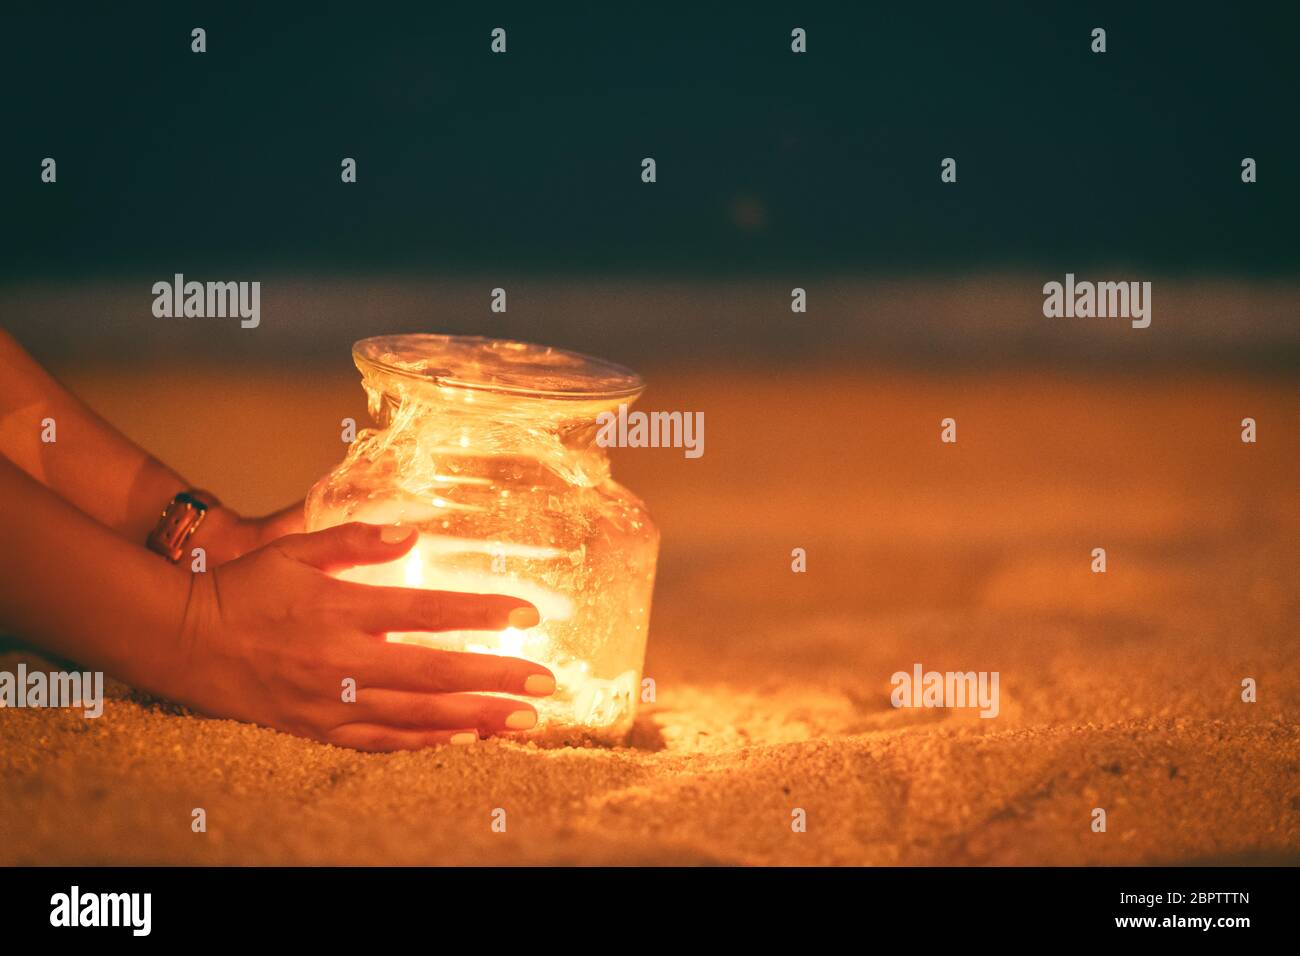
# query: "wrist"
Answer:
x=224 y=535
x=193 y=520
x=148 y=498
x=157 y=655
x=200 y=616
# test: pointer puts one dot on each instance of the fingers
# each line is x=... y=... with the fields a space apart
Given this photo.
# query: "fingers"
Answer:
x=377 y=610
x=408 y=667
x=379 y=738
x=487 y=715
x=347 y=545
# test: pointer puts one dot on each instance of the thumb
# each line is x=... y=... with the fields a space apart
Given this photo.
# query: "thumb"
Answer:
x=347 y=545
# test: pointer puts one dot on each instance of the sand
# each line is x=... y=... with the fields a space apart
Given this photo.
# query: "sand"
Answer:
x=1119 y=690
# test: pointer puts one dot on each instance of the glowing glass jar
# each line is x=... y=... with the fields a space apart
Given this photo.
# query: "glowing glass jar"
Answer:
x=488 y=448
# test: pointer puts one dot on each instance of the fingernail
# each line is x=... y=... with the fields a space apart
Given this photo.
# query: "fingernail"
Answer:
x=539 y=685
x=394 y=533
x=522 y=617
x=464 y=738
x=521 y=720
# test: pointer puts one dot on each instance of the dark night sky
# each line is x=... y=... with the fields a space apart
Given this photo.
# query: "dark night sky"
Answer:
x=172 y=161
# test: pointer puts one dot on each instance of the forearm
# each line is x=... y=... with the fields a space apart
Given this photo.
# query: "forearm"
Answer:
x=90 y=464
x=71 y=586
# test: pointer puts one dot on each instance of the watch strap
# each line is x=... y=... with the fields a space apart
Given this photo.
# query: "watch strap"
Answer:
x=179 y=520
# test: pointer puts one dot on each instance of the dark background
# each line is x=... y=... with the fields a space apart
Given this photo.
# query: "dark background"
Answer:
x=829 y=161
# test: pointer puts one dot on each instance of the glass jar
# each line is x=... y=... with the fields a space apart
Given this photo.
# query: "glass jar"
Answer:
x=488 y=448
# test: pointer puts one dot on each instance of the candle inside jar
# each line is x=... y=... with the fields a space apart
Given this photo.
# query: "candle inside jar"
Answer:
x=488 y=449
x=437 y=563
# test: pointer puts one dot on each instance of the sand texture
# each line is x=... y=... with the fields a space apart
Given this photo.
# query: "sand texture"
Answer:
x=1118 y=690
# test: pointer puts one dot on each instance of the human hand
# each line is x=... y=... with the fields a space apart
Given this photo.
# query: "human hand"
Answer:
x=270 y=638
x=227 y=535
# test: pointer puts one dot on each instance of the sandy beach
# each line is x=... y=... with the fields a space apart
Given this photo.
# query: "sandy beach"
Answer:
x=1119 y=690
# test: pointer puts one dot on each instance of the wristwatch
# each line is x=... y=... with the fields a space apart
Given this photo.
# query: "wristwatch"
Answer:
x=180 y=519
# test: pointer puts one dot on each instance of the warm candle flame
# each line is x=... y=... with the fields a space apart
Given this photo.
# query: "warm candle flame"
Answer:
x=413 y=569
x=512 y=642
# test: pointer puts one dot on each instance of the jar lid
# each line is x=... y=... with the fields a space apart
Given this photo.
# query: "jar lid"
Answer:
x=495 y=365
